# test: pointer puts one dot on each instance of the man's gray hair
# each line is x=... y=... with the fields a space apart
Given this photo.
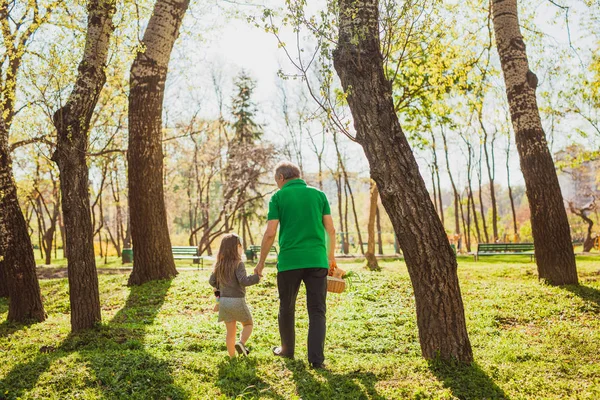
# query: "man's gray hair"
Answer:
x=288 y=170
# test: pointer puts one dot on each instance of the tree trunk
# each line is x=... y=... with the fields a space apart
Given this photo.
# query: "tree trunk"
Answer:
x=342 y=233
x=370 y=255
x=475 y=220
x=588 y=243
x=152 y=256
x=63 y=238
x=466 y=230
x=3 y=280
x=356 y=223
x=454 y=190
x=491 y=168
x=72 y=123
x=17 y=262
x=347 y=244
x=510 y=192
x=549 y=223
x=430 y=260
x=379 y=242
x=434 y=194
x=348 y=190
x=437 y=176
x=481 y=206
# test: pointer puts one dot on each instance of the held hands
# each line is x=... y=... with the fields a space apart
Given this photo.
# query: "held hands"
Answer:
x=259 y=269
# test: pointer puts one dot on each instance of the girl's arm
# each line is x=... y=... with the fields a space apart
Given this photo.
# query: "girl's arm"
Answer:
x=212 y=280
x=243 y=279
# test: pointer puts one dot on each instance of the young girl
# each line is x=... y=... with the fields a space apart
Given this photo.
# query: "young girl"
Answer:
x=229 y=277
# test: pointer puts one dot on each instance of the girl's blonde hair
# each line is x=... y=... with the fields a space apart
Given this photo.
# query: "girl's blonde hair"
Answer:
x=228 y=258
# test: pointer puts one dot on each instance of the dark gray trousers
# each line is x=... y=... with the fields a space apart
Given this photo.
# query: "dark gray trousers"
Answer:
x=288 y=284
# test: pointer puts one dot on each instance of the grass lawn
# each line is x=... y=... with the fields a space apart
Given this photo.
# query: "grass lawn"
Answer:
x=162 y=341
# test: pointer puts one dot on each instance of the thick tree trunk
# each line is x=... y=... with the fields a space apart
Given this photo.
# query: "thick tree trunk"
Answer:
x=549 y=223
x=17 y=262
x=152 y=257
x=72 y=123
x=372 y=263
x=430 y=260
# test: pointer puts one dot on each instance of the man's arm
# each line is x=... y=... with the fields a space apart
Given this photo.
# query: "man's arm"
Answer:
x=330 y=229
x=267 y=242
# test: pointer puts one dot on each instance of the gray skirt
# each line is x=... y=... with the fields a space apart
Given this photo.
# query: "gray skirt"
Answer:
x=234 y=309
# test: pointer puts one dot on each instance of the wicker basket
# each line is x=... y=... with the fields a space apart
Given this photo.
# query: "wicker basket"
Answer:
x=335 y=285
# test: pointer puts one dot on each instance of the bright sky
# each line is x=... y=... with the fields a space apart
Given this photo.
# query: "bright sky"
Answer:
x=233 y=44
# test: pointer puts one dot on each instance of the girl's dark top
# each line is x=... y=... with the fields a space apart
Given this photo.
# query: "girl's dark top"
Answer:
x=237 y=286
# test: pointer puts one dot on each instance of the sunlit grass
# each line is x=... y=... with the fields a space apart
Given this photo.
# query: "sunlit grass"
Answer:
x=163 y=341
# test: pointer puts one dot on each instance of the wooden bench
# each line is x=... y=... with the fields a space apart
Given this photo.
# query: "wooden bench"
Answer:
x=253 y=252
x=494 y=249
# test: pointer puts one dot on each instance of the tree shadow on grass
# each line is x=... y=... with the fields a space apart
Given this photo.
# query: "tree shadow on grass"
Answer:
x=466 y=381
x=586 y=293
x=3 y=305
x=114 y=352
x=237 y=379
x=324 y=384
x=7 y=328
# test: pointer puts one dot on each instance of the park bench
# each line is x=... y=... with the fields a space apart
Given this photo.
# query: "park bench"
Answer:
x=253 y=252
x=494 y=249
x=179 y=253
x=186 y=253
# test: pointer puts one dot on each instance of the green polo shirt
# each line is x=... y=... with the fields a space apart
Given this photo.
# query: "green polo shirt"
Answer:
x=302 y=237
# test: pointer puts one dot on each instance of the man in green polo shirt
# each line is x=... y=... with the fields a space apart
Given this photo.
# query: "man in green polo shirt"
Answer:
x=306 y=250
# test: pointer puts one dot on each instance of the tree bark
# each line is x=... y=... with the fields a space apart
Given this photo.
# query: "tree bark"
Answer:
x=434 y=194
x=379 y=241
x=356 y=223
x=454 y=190
x=481 y=206
x=437 y=176
x=550 y=226
x=491 y=170
x=72 y=122
x=430 y=260
x=152 y=256
x=582 y=213
x=3 y=280
x=17 y=262
x=372 y=263
x=510 y=192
